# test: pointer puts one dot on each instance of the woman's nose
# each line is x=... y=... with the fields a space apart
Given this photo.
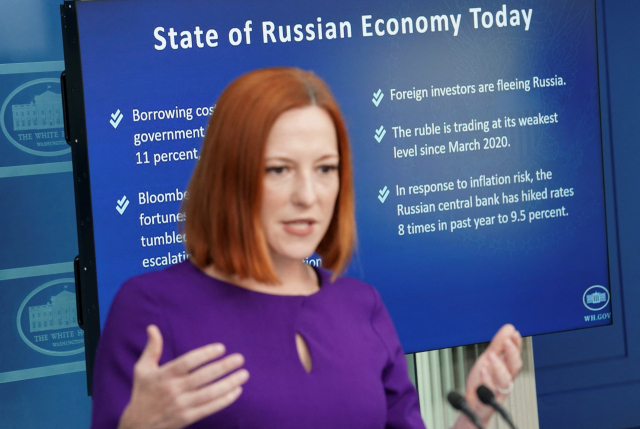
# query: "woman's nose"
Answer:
x=304 y=192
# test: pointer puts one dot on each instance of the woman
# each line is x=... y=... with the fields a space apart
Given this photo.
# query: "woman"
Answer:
x=272 y=186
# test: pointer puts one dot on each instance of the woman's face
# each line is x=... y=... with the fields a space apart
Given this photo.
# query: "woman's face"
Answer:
x=301 y=182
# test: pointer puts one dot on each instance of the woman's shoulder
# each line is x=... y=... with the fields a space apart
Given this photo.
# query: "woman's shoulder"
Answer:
x=156 y=297
x=168 y=275
x=163 y=289
x=345 y=281
x=354 y=290
x=173 y=278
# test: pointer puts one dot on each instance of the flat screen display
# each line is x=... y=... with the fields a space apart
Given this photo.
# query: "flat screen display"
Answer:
x=474 y=127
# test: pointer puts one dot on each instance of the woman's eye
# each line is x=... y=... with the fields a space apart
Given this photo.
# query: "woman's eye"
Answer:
x=328 y=168
x=276 y=170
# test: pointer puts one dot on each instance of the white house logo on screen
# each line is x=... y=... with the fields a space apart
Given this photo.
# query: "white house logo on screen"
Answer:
x=596 y=298
x=47 y=319
x=31 y=118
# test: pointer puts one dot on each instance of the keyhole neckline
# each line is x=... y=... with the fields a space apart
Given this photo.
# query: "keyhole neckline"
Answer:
x=303 y=352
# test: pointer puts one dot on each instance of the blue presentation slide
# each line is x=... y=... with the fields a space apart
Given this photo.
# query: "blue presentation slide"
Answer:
x=474 y=126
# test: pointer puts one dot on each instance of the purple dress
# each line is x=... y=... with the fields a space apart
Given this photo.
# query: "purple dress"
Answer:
x=359 y=374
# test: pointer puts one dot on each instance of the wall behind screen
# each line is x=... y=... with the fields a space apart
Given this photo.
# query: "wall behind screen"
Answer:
x=591 y=378
x=586 y=379
x=38 y=234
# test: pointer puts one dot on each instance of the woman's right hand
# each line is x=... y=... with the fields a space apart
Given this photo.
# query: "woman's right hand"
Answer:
x=181 y=391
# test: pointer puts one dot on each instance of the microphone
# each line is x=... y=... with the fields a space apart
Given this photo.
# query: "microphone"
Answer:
x=487 y=397
x=458 y=402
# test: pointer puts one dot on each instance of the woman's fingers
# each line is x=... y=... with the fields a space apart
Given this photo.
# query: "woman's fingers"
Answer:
x=216 y=390
x=200 y=402
x=498 y=341
x=193 y=359
x=499 y=375
x=213 y=371
x=496 y=367
x=517 y=339
x=183 y=390
x=153 y=350
x=512 y=358
x=208 y=408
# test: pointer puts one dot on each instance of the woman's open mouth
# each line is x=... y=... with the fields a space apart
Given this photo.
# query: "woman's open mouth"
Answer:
x=299 y=227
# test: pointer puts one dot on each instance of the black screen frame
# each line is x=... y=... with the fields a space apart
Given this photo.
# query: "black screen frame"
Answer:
x=76 y=136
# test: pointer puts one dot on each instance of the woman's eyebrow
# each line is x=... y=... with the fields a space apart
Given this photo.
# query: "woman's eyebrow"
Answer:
x=278 y=158
x=330 y=155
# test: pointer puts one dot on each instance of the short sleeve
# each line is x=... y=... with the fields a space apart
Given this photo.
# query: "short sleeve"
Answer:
x=403 y=407
x=122 y=341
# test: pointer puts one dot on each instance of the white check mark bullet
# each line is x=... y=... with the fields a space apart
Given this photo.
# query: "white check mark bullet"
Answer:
x=380 y=132
x=123 y=203
x=377 y=97
x=116 y=118
x=383 y=194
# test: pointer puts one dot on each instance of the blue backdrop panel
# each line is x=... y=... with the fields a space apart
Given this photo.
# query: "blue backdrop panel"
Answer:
x=59 y=402
x=591 y=379
x=30 y=31
x=500 y=264
x=38 y=202
x=42 y=378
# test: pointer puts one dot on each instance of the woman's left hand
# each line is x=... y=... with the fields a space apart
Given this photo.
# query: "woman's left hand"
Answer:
x=496 y=368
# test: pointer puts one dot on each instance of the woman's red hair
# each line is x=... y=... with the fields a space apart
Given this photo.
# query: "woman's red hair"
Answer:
x=223 y=225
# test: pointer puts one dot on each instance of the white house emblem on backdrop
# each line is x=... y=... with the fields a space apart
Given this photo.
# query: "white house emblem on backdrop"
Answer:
x=47 y=319
x=59 y=313
x=31 y=118
x=43 y=113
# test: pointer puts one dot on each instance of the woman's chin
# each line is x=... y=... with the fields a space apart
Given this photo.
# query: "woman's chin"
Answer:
x=296 y=254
